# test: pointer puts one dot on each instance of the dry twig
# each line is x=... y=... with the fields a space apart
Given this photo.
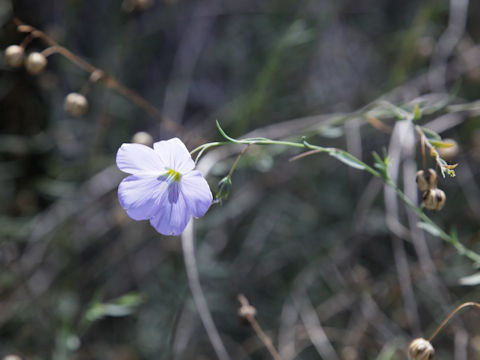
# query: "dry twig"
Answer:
x=248 y=312
x=98 y=74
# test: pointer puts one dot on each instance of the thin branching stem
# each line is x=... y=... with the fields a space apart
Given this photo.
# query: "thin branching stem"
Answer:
x=352 y=161
x=108 y=80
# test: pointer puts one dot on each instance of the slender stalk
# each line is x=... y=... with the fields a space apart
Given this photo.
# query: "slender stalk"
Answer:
x=462 y=250
x=237 y=160
x=422 y=146
x=351 y=160
x=50 y=51
x=257 y=328
x=447 y=319
x=197 y=293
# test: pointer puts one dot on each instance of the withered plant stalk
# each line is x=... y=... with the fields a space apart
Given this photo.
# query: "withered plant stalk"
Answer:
x=258 y=330
x=447 y=319
x=108 y=80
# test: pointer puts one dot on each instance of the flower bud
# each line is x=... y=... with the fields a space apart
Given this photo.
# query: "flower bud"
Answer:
x=143 y=138
x=35 y=63
x=224 y=187
x=426 y=179
x=75 y=104
x=434 y=199
x=421 y=349
x=448 y=153
x=14 y=55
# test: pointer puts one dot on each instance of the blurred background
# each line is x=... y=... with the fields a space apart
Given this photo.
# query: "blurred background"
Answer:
x=335 y=266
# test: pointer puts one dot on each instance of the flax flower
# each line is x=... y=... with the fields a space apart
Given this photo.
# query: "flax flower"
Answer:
x=163 y=186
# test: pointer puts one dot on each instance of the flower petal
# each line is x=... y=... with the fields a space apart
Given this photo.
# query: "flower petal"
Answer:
x=196 y=192
x=139 y=159
x=175 y=155
x=172 y=218
x=142 y=197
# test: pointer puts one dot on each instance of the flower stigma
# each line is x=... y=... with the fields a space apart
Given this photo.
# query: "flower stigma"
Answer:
x=171 y=176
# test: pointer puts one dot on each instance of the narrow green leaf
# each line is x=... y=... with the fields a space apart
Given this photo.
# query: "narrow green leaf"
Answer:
x=417 y=113
x=122 y=306
x=433 y=230
x=441 y=144
x=377 y=158
x=349 y=160
x=430 y=134
x=223 y=133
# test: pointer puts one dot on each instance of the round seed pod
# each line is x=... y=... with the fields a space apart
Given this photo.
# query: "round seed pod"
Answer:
x=14 y=55
x=434 y=199
x=75 y=104
x=143 y=138
x=35 y=63
x=426 y=179
x=421 y=349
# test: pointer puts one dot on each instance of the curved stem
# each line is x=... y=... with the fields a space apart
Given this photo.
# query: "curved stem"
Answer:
x=50 y=51
x=447 y=319
x=197 y=293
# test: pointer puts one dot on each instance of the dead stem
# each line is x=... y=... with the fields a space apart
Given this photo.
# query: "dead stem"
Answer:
x=306 y=153
x=447 y=319
x=108 y=80
x=247 y=312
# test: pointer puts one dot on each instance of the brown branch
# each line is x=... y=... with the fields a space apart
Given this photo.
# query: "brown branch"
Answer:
x=306 y=153
x=108 y=80
x=377 y=124
x=248 y=312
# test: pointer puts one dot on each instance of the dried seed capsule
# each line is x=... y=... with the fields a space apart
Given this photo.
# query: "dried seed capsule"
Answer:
x=427 y=179
x=35 y=63
x=75 y=104
x=14 y=55
x=421 y=349
x=434 y=199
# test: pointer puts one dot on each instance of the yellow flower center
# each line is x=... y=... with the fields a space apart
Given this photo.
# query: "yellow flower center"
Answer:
x=173 y=175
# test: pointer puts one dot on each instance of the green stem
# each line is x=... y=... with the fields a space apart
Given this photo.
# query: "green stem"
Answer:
x=472 y=255
x=352 y=161
x=237 y=160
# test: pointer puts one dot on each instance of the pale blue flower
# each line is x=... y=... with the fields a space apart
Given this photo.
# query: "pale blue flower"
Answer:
x=163 y=186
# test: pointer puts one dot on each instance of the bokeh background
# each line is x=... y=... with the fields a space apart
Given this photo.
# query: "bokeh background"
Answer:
x=336 y=268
